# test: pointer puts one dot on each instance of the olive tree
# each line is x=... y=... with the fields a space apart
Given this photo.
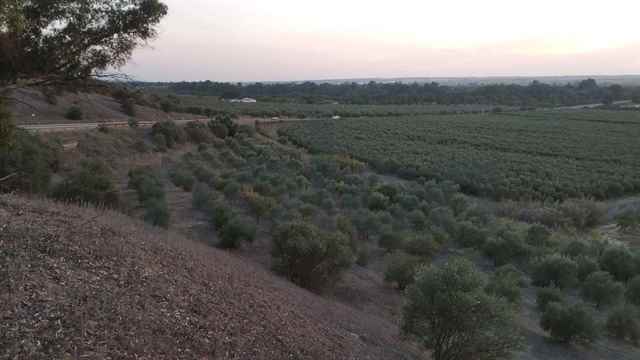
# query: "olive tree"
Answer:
x=449 y=311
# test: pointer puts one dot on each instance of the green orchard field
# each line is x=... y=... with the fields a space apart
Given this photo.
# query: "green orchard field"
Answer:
x=530 y=155
x=300 y=110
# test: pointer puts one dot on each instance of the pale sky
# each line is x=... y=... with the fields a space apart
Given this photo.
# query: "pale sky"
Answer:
x=279 y=40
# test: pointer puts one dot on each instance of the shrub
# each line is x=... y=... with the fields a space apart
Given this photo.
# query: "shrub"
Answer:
x=90 y=182
x=555 y=270
x=171 y=133
x=569 y=323
x=222 y=214
x=146 y=183
x=218 y=129
x=198 y=132
x=260 y=205
x=157 y=212
x=202 y=197
x=377 y=201
x=618 y=261
x=421 y=244
x=128 y=106
x=633 y=290
x=401 y=269
x=29 y=157
x=449 y=311
x=418 y=220
x=181 y=177
x=506 y=247
x=586 y=266
x=443 y=218
x=548 y=295
x=601 y=289
x=363 y=256
x=538 y=236
x=391 y=241
x=577 y=248
x=133 y=123
x=506 y=283
x=470 y=235
x=235 y=231
x=623 y=323
x=583 y=214
x=74 y=113
x=308 y=256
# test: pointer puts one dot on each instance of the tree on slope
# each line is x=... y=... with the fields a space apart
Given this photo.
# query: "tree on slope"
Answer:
x=55 y=42
x=44 y=41
x=450 y=312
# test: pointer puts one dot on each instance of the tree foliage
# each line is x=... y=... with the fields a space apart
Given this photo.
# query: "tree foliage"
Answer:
x=309 y=256
x=450 y=313
x=65 y=40
x=569 y=323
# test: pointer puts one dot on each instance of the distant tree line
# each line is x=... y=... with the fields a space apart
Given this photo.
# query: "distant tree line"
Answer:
x=535 y=94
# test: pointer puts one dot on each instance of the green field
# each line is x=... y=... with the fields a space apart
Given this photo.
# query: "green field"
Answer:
x=300 y=110
x=534 y=155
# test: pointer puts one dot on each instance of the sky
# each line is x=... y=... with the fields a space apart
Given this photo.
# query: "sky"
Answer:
x=287 y=40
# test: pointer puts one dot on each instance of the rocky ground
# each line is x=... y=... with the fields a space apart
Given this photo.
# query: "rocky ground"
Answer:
x=79 y=282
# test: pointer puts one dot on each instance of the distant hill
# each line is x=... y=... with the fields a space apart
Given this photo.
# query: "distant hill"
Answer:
x=624 y=80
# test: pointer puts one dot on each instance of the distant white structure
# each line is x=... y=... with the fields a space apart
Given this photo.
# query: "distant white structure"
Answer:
x=336 y=117
x=244 y=100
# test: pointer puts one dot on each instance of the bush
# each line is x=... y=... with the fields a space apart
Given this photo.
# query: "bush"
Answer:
x=377 y=201
x=548 y=295
x=618 y=261
x=235 y=231
x=623 y=323
x=601 y=289
x=391 y=241
x=421 y=244
x=506 y=283
x=308 y=256
x=470 y=235
x=449 y=311
x=506 y=247
x=583 y=214
x=74 y=113
x=128 y=106
x=633 y=290
x=222 y=214
x=157 y=212
x=171 y=133
x=181 y=177
x=202 y=197
x=401 y=269
x=29 y=157
x=90 y=182
x=133 y=123
x=586 y=266
x=577 y=248
x=569 y=323
x=556 y=270
x=218 y=129
x=146 y=183
x=443 y=218
x=198 y=132
x=538 y=236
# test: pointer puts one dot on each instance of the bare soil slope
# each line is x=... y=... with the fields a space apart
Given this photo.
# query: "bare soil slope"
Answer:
x=86 y=283
x=32 y=108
